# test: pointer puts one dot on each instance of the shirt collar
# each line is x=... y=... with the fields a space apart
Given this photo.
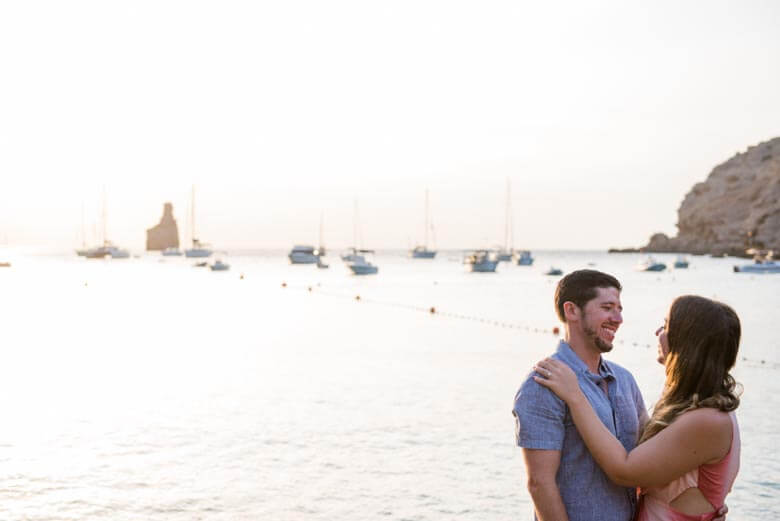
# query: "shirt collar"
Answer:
x=567 y=354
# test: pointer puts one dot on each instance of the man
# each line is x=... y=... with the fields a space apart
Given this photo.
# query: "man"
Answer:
x=565 y=482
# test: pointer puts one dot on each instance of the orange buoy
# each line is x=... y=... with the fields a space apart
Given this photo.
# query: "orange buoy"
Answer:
x=433 y=310
x=357 y=297
x=284 y=284
x=556 y=330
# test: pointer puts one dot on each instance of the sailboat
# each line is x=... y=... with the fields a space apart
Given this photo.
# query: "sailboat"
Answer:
x=321 y=252
x=82 y=252
x=422 y=251
x=107 y=249
x=198 y=250
x=356 y=259
x=505 y=254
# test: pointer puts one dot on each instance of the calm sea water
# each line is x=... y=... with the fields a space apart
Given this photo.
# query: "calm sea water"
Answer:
x=149 y=389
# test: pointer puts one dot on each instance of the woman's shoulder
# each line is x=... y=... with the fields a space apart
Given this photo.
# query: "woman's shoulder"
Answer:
x=709 y=425
x=707 y=417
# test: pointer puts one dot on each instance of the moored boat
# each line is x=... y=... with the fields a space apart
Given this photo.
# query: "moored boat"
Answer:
x=303 y=255
x=763 y=263
x=481 y=261
x=650 y=264
x=219 y=265
x=524 y=258
x=422 y=251
x=360 y=265
x=681 y=262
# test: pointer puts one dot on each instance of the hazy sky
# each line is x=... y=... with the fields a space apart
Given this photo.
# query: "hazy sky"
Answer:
x=602 y=114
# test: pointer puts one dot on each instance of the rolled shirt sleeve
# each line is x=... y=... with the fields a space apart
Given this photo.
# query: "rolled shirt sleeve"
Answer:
x=539 y=417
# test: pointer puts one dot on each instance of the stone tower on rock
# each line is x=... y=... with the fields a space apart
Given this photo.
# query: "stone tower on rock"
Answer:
x=165 y=234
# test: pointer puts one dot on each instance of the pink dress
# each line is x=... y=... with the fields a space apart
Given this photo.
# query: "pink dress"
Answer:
x=714 y=480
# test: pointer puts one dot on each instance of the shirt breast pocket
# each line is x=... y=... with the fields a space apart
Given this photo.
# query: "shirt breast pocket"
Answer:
x=627 y=421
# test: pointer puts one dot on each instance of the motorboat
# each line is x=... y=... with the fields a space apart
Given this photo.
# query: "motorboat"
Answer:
x=553 y=271
x=761 y=264
x=303 y=255
x=171 y=252
x=218 y=265
x=481 y=261
x=681 y=262
x=759 y=267
x=651 y=264
x=360 y=265
x=524 y=258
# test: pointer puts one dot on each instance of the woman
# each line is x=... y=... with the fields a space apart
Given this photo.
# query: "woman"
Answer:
x=688 y=454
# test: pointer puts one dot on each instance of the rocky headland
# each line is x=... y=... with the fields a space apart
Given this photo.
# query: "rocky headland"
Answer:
x=736 y=208
x=165 y=234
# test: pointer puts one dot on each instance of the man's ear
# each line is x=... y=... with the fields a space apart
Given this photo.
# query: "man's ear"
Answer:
x=571 y=311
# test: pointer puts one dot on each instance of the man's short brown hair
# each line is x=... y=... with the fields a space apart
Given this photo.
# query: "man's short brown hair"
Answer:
x=579 y=287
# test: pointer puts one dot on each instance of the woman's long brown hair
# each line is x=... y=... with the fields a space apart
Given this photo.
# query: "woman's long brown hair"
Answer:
x=703 y=338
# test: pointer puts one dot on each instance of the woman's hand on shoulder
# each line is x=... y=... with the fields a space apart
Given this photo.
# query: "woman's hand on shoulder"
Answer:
x=559 y=378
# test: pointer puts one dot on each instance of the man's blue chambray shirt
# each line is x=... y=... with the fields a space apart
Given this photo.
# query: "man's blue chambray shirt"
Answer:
x=543 y=421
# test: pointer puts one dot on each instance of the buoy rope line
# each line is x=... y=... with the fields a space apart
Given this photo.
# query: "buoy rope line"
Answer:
x=432 y=310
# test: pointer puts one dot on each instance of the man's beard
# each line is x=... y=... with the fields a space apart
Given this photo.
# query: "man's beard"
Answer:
x=600 y=343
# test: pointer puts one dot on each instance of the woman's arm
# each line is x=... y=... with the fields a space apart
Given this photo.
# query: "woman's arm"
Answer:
x=696 y=437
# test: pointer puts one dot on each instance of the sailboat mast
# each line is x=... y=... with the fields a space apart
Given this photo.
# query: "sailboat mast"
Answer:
x=83 y=229
x=192 y=216
x=510 y=216
x=105 y=237
x=355 y=232
x=426 y=220
x=507 y=224
x=321 y=218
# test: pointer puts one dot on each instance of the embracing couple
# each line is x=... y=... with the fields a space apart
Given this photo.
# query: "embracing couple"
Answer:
x=591 y=450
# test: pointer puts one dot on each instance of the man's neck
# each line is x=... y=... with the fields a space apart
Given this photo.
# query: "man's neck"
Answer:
x=587 y=353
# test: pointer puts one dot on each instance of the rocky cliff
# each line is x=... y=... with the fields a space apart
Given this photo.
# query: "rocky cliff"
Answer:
x=165 y=234
x=736 y=208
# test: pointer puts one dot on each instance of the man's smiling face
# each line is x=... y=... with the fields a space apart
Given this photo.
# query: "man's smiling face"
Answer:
x=601 y=318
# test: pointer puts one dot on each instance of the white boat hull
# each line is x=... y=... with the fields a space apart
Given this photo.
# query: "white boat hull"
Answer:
x=759 y=267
